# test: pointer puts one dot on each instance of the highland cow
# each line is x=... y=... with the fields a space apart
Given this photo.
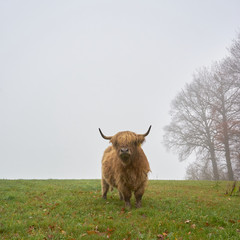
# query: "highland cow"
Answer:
x=125 y=166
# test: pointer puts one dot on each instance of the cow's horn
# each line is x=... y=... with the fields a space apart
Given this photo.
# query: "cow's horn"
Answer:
x=105 y=137
x=148 y=131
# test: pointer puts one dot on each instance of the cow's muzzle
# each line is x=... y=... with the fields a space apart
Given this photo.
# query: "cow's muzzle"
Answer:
x=124 y=151
x=125 y=154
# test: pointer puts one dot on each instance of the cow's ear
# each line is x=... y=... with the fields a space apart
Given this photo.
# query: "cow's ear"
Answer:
x=114 y=142
x=140 y=140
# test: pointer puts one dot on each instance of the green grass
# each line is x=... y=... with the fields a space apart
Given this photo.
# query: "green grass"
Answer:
x=73 y=209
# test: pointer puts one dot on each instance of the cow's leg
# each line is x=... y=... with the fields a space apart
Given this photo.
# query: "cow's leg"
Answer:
x=120 y=195
x=105 y=187
x=138 y=195
x=127 y=196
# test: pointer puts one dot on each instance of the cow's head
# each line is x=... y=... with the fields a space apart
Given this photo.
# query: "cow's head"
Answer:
x=126 y=143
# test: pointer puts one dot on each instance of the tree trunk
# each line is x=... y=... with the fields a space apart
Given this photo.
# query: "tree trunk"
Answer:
x=214 y=162
x=227 y=152
x=211 y=147
x=226 y=143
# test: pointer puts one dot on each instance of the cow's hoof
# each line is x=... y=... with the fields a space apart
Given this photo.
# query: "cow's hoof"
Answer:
x=138 y=204
x=128 y=205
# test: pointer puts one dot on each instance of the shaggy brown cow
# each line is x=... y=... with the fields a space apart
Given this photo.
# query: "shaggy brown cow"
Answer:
x=125 y=166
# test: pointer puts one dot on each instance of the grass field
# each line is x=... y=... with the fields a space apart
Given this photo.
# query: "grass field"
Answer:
x=73 y=209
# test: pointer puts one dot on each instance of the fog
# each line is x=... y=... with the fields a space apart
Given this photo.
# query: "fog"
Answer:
x=70 y=67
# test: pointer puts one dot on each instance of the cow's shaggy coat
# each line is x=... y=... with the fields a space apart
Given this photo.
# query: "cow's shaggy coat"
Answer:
x=125 y=166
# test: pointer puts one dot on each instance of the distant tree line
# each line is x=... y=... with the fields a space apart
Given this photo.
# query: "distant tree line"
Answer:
x=205 y=120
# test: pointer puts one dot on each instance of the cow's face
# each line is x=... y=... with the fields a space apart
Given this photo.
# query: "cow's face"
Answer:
x=126 y=144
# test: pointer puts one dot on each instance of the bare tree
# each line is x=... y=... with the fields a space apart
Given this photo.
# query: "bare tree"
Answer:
x=231 y=64
x=191 y=128
x=206 y=120
x=224 y=103
x=230 y=69
x=199 y=171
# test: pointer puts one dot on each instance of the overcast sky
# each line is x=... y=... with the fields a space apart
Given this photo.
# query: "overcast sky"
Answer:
x=70 y=67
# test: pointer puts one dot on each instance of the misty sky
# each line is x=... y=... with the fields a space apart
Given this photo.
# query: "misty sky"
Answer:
x=70 y=67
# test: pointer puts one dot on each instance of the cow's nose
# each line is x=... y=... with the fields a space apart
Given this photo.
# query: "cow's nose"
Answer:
x=124 y=150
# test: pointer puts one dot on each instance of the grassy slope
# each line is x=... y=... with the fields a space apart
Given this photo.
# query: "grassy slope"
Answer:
x=73 y=209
